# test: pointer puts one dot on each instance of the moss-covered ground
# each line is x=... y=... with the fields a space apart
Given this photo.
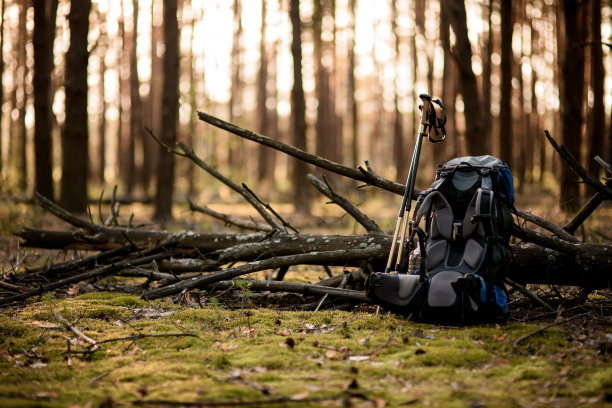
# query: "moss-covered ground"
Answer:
x=271 y=358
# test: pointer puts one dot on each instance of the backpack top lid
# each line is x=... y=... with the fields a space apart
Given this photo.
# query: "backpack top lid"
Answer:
x=481 y=163
x=485 y=161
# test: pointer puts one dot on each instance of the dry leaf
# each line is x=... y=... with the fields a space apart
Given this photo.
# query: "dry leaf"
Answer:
x=300 y=396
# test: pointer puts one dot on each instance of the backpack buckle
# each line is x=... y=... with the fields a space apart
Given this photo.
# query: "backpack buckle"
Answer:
x=457 y=230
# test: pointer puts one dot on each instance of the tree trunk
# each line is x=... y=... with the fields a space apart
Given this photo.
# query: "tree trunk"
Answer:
x=45 y=12
x=596 y=138
x=75 y=163
x=155 y=94
x=191 y=176
x=103 y=48
x=476 y=139
x=121 y=155
x=399 y=157
x=351 y=101
x=262 y=95
x=487 y=51
x=165 y=164
x=529 y=264
x=236 y=153
x=505 y=114
x=3 y=5
x=449 y=81
x=135 y=104
x=22 y=98
x=301 y=191
x=572 y=76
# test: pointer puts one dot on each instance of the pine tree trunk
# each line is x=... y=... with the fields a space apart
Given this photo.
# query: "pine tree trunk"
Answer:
x=505 y=115
x=22 y=98
x=3 y=5
x=262 y=96
x=301 y=191
x=476 y=139
x=236 y=153
x=572 y=76
x=399 y=157
x=135 y=104
x=103 y=47
x=596 y=138
x=75 y=152
x=352 y=107
x=45 y=12
x=165 y=164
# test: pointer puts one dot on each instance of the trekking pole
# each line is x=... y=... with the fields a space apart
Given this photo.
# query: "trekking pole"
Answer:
x=428 y=122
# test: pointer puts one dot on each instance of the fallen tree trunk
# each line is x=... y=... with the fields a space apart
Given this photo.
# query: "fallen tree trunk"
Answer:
x=587 y=263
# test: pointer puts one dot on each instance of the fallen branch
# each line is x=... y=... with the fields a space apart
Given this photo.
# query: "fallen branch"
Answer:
x=287 y=401
x=94 y=344
x=316 y=258
x=360 y=175
x=96 y=273
x=229 y=219
x=296 y=287
x=549 y=226
x=529 y=294
x=188 y=152
x=587 y=177
x=557 y=322
x=345 y=204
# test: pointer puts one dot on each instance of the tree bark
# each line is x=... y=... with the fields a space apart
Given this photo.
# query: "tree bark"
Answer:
x=22 y=98
x=263 y=172
x=165 y=165
x=476 y=138
x=75 y=161
x=99 y=175
x=301 y=192
x=596 y=139
x=399 y=156
x=587 y=265
x=45 y=12
x=135 y=133
x=3 y=5
x=505 y=114
x=572 y=76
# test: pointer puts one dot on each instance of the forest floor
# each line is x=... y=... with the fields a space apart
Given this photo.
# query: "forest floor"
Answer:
x=251 y=350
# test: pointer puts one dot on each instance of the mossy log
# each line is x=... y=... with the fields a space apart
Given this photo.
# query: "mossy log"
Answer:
x=587 y=265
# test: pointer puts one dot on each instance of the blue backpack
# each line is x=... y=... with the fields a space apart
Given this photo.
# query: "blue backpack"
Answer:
x=461 y=230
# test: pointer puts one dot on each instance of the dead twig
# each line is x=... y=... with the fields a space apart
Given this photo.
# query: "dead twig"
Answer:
x=189 y=153
x=345 y=204
x=268 y=207
x=229 y=219
x=94 y=343
x=587 y=177
x=547 y=225
x=262 y=402
x=557 y=322
x=271 y=263
x=529 y=294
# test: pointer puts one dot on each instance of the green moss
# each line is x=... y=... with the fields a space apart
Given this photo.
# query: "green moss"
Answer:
x=239 y=353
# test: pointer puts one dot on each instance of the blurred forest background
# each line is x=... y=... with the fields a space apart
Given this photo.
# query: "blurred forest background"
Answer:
x=81 y=80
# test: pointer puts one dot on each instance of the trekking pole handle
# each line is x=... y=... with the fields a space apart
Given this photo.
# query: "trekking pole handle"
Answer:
x=425 y=126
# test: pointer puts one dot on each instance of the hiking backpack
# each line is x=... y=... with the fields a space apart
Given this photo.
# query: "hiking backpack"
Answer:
x=463 y=246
